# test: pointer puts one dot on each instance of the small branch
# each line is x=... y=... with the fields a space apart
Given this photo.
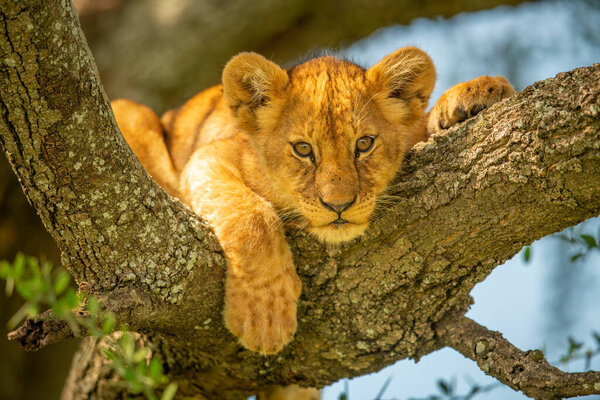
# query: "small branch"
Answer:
x=526 y=371
x=46 y=328
x=43 y=330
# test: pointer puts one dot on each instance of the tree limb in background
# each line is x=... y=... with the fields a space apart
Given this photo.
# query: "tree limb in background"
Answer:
x=95 y=7
x=179 y=47
x=465 y=202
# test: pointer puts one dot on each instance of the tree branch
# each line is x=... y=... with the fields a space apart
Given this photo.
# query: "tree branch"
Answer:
x=43 y=330
x=526 y=371
x=465 y=202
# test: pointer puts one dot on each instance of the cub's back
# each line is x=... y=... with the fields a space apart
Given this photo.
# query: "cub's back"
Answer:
x=202 y=119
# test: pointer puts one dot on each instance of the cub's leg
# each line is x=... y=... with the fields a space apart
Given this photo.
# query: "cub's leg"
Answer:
x=262 y=288
x=144 y=134
x=466 y=100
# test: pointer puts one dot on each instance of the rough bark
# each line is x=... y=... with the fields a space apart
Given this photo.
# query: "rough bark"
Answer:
x=464 y=203
x=179 y=47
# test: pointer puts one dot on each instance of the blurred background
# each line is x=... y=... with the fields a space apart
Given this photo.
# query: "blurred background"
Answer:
x=161 y=52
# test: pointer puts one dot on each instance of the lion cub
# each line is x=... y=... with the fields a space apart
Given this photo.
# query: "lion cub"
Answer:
x=314 y=144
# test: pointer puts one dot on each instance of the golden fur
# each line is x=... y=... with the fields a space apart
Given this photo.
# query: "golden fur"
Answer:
x=234 y=160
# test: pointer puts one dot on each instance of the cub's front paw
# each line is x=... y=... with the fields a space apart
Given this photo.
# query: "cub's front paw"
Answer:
x=466 y=100
x=261 y=311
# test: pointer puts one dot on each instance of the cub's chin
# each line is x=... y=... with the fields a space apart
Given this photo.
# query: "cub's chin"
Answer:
x=333 y=233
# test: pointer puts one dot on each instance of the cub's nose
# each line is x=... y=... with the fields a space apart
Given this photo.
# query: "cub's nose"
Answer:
x=338 y=207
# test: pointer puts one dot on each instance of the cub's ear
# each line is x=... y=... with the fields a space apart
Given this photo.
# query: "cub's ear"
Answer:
x=250 y=81
x=407 y=74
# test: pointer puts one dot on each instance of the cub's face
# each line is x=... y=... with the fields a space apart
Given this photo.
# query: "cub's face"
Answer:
x=329 y=134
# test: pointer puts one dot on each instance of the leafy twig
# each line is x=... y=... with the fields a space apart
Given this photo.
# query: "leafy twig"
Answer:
x=71 y=314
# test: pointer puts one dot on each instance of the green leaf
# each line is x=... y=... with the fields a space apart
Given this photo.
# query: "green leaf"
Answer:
x=139 y=367
x=109 y=323
x=43 y=288
x=576 y=257
x=169 y=393
x=475 y=389
x=18 y=266
x=572 y=351
x=134 y=385
x=445 y=387
x=60 y=308
x=46 y=270
x=127 y=345
x=5 y=269
x=93 y=306
x=109 y=354
x=140 y=355
x=34 y=267
x=155 y=369
x=574 y=345
x=71 y=299
x=527 y=254
x=590 y=241
x=61 y=283
x=26 y=289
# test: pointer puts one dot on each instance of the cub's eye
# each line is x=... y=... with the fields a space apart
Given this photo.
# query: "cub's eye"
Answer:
x=364 y=144
x=303 y=149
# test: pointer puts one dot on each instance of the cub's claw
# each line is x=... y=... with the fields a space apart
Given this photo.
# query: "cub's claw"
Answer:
x=261 y=312
x=466 y=100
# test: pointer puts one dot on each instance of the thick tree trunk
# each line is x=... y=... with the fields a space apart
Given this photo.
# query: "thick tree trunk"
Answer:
x=179 y=47
x=465 y=202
